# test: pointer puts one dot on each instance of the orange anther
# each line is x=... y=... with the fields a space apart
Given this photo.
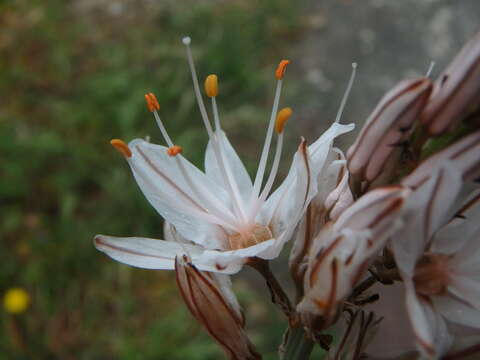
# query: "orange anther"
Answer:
x=211 y=85
x=121 y=147
x=282 y=118
x=282 y=66
x=152 y=102
x=174 y=150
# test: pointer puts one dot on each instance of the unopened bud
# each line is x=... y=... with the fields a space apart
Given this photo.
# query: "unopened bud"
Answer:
x=463 y=155
x=344 y=249
x=387 y=127
x=210 y=300
x=456 y=92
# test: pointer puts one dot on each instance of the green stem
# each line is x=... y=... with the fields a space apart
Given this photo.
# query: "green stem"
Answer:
x=298 y=346
x=279 y=297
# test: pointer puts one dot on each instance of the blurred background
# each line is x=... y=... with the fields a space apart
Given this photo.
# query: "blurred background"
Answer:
x=73 y=75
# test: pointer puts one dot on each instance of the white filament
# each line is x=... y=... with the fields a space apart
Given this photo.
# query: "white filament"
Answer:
x=229 y=181
x=430 y=69
x=266 y=146
x=347 y=93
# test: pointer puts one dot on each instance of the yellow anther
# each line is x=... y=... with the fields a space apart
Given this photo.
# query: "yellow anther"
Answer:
x=152 y=102
x=282 y=118
x=16 y=301
x=174 y=150
x=282 y=66
x=211 y=85
x=121 y=147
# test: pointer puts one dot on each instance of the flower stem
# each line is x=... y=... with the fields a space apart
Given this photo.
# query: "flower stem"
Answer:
x=298 y=346
x=278 y=295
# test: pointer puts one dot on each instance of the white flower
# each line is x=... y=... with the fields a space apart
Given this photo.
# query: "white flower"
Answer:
x=226 y=217
x=437 y=255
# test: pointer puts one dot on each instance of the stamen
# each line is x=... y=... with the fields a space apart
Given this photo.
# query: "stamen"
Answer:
x=152 y=102
x=225 y=170
x=211 y=85
x=282 y=118
x=266 y=146
x=211 y=89
x=174 y=150
x=153 y=106
x=347 y=93
x=430 y=69
x=121 y=147
x=186 y=41
x=280 y=72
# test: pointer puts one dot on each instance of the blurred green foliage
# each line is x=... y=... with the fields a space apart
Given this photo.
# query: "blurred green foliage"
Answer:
x=72 y=76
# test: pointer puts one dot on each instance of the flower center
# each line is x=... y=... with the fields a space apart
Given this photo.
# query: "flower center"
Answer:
x=432 y=274
x=256 y=235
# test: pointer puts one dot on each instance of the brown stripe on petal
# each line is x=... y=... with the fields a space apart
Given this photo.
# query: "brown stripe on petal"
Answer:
x=217 y=293
x=475 y=201
x=184 y=287
x=393 y=207
x=360 y=271
x=303 y=148
x=99 y=241
x=428 y=210
x=321 y=256
x=333 y=290
x=169 y=181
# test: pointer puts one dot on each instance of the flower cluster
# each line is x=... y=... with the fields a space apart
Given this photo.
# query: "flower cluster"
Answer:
x=401 y=209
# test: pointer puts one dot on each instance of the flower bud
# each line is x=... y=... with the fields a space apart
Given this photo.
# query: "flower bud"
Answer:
x=211 y=301
x=332 y=176
x=343 y=251
x=464 y=155
x=456 y=92
x=387 y=127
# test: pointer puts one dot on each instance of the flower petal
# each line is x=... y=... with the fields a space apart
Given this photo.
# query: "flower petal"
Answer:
x=284 y=208
x=156 y=254
x=427 y=208
x=422 y=319
x=239 y=172
x=457 y=311
x=467 y=289
x=163 y=184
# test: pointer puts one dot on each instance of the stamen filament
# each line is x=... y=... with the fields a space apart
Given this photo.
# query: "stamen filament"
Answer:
x=273 y=172
x=165 y=135
x=227 y=179
x=347 y=93
x=224 y=164
x=216 y=118
x=266 y=146
x=430 y=69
